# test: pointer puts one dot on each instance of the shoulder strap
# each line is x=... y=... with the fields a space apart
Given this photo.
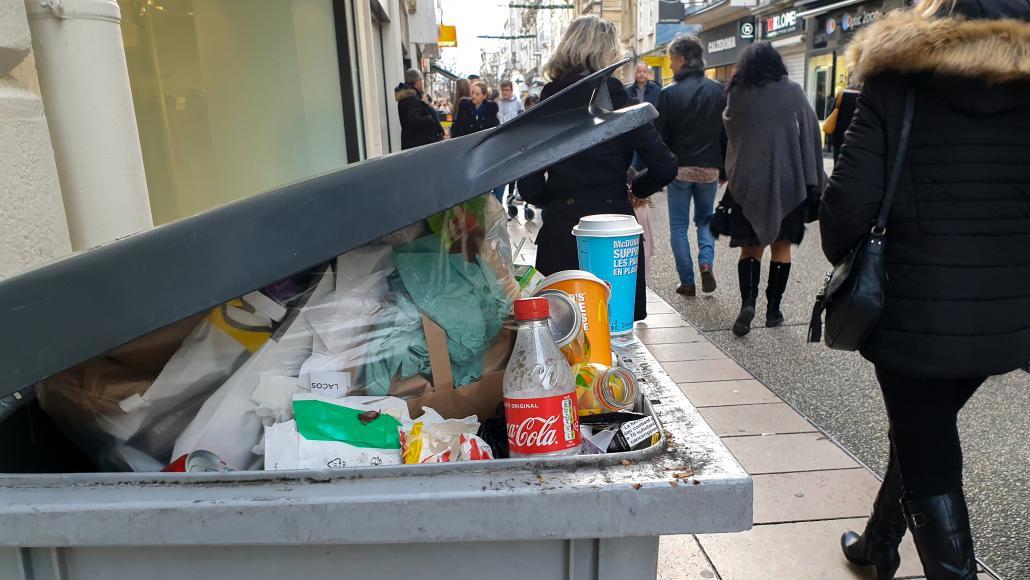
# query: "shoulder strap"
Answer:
x=899 y=160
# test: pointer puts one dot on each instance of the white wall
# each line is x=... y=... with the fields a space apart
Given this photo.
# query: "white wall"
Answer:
x=33 y=227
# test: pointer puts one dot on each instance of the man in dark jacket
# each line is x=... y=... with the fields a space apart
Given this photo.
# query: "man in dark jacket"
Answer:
x=690 y=122
x=644 y=90
x=419 y=124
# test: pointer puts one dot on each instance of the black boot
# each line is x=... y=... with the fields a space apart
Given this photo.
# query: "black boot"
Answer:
x=940 y=526
x=779 y=272
x=878 y=544
x=748 y=273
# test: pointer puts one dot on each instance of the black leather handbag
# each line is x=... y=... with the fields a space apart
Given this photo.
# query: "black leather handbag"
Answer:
x=855 y=291
x=720 y=222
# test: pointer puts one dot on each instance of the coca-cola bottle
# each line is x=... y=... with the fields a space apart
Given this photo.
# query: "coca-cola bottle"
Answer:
x=539 y=389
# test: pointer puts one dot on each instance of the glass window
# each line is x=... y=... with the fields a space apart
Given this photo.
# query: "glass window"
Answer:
x=232 y=97
x=820 y=84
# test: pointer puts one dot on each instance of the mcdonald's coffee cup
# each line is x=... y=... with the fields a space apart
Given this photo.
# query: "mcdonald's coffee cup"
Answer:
x=609 y=248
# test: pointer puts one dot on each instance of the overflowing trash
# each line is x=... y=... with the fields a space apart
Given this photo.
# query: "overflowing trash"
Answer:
x=397 y=352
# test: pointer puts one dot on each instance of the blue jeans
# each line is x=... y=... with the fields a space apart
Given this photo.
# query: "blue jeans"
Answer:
x=680 y=195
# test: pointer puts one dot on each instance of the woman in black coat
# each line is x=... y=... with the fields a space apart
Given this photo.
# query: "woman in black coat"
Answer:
x=475 y=113
x=593 y=182
x=958 y=250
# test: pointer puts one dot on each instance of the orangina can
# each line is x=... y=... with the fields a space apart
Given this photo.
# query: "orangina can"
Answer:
x=603 y=389
x=591 y=295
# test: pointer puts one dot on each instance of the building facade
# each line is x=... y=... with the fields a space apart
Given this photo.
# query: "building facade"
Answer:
x=829 y=27
x=231 y=98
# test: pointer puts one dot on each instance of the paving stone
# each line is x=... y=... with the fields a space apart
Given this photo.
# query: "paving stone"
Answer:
x=680 y=558
x=764 y=419
x=660 y=307
x=799 y=551
x=686 y=351
x=719 y=393
x=655 y=320
x=786 y=453
x=699 y=371
x=650 y=336
x=814 y=495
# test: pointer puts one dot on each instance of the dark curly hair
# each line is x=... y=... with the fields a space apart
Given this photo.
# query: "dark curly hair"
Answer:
x=759 y=65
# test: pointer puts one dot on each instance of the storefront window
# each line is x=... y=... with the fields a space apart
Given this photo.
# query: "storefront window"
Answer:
x=232 y=97
x=820 y=84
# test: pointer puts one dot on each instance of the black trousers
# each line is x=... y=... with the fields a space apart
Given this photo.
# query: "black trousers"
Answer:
x=923 y=416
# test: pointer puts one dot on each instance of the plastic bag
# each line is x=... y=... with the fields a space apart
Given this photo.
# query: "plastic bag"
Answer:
x=358 y=327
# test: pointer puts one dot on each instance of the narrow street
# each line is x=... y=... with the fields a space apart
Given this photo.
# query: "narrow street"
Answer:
x=838 y=392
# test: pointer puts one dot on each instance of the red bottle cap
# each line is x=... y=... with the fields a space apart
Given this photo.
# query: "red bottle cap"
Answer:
x=531 y=309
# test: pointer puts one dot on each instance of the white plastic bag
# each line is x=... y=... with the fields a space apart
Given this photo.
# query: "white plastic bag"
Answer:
x=228 y=424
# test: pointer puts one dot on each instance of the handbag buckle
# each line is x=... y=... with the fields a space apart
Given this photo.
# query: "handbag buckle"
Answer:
x=879 y=230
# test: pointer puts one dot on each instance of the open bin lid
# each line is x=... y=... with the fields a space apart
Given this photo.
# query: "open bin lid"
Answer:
x=70 y=311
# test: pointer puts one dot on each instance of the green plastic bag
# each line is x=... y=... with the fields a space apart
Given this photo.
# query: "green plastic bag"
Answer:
x=324 y=421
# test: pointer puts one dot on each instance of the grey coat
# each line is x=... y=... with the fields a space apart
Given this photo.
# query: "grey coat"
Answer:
x=774 y=155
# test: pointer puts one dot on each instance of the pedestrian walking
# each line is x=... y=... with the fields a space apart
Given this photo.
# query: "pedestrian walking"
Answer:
x=462 y=90
x=509 y=107
x=957 y=236
x=594 y=181
x=774 y=164
x=420 y=124
x=643 y=89
x=836 y=125
x=690 y=122
x=475 y=113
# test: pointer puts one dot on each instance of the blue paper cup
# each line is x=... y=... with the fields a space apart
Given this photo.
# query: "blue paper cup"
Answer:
x=609 y=248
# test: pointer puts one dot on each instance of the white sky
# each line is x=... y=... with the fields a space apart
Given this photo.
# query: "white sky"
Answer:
x=472 y=17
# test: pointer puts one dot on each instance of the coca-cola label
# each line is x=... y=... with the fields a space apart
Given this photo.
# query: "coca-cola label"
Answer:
x=543 y=425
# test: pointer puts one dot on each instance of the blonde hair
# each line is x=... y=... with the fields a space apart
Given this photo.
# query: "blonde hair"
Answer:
x=589 y=45
x=931 y=8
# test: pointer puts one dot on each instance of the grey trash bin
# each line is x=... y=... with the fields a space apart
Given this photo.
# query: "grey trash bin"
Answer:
x=578 y=517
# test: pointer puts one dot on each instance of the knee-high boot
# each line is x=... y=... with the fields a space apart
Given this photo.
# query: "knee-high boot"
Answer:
x=779 y=272
x=878 y=544
x=940 y=526
x=749 y=271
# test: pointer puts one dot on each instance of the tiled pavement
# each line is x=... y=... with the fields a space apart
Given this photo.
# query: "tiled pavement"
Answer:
x=807 y=490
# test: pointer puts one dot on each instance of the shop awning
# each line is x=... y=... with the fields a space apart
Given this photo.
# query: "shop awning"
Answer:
x=827 y=8
x=442 y=71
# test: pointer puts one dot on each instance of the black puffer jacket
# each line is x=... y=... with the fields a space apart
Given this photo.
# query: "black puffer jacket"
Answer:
x=419 y=125
x=958 y=235
x=690 y=120
x=594 y=182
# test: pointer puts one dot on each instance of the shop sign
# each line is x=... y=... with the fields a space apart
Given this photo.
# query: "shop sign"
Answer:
x=722 y=44
x=747 y=30
x=671 y=12
x=781 y=24
x=837 y=27
x=850 y=22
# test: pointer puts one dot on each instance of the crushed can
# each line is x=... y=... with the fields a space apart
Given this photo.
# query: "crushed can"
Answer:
x=199 y=461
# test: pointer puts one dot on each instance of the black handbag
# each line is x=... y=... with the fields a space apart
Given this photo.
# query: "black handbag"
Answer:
x=720 y=222
x=855 y=291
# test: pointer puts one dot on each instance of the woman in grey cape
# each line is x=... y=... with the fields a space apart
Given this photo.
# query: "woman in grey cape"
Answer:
x=774 y=165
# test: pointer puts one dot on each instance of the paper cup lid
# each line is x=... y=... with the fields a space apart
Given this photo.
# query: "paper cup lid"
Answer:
x=567 y=275
x=608 y=225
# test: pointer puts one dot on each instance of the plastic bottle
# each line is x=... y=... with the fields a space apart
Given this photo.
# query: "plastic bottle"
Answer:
x=539 y=389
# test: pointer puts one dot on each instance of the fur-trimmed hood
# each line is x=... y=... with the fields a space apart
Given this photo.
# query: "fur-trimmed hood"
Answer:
x=404 y=91
x=993 y=51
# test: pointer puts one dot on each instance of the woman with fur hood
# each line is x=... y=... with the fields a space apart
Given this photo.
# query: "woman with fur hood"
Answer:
x=958 y=250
